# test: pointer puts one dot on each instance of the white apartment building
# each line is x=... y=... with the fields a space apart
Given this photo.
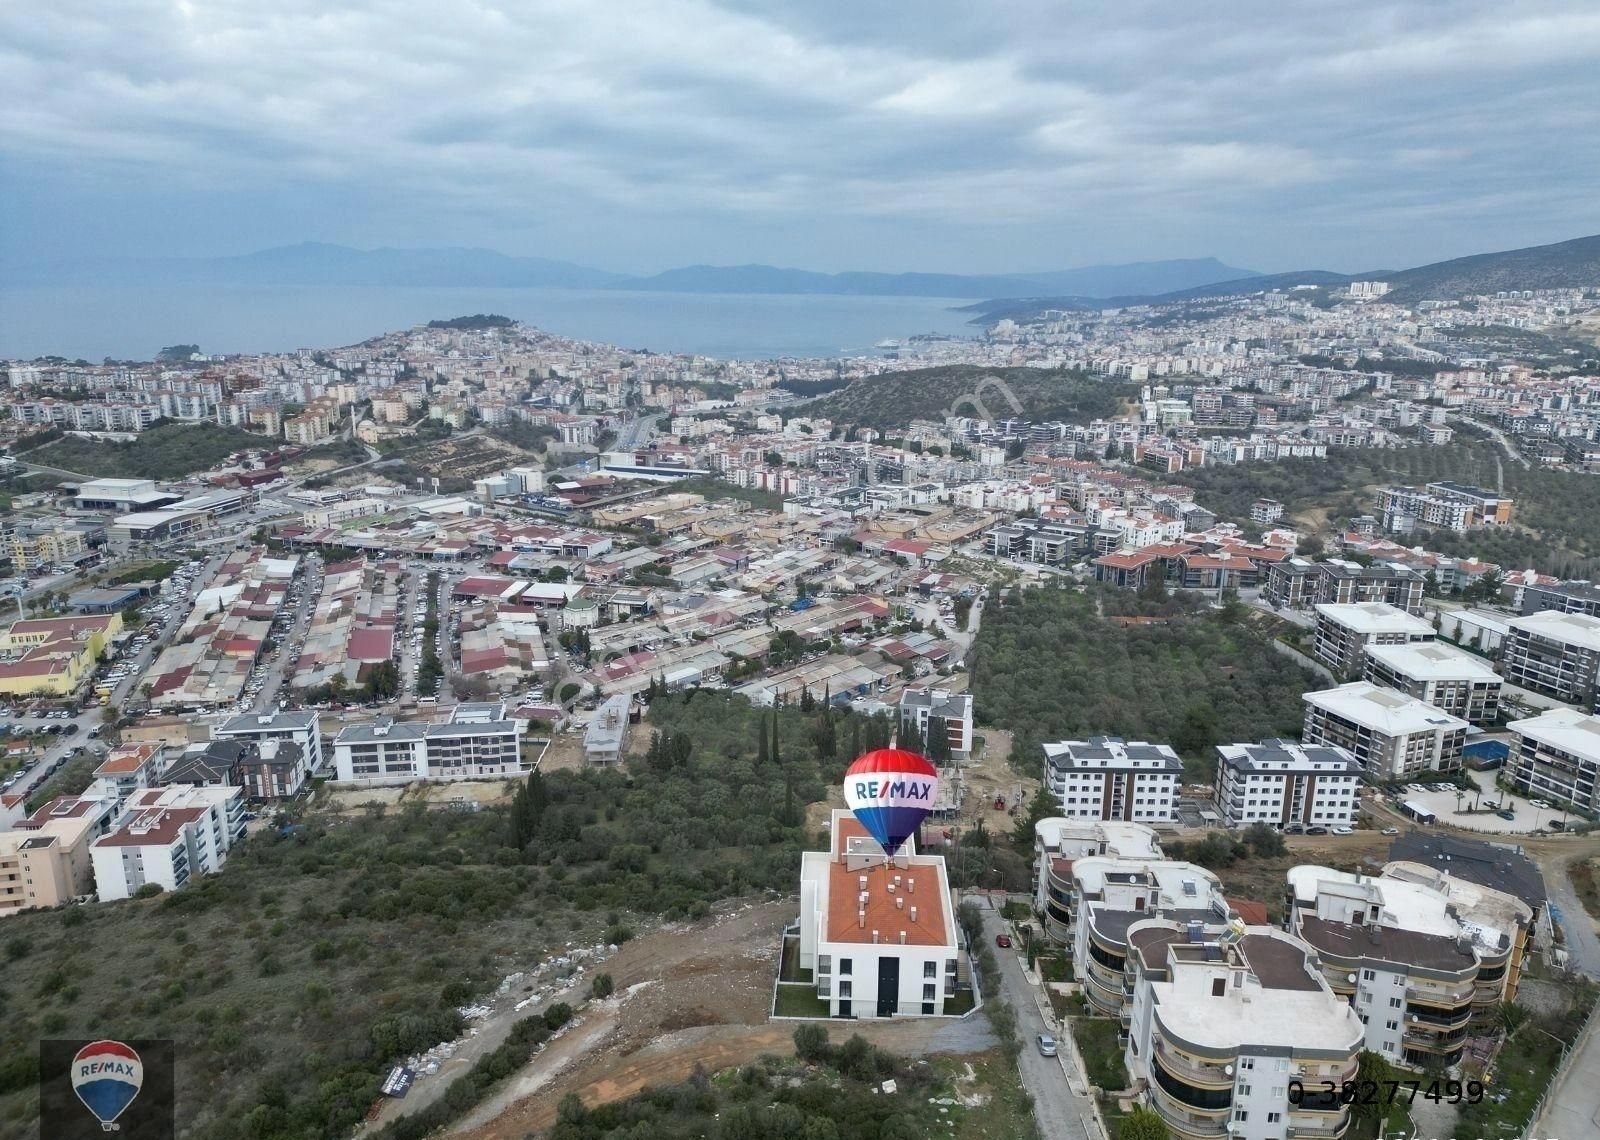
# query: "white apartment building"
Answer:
x=1436 y=673
x=1058 y=843
x=1391 y=735
x=1556 y=756
x=1106 y=777
x=1283 y=782
x=477 y=742
x=1344 y=631
x=879 y=935
x=300 y=728
x=1554 y=653
x=1223 y=1025
x=1417 y=953
x=167 y=836
x=921 y=707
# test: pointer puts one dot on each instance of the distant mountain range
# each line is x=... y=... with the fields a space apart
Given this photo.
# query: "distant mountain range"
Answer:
x=1566 y=264
x=318 y=263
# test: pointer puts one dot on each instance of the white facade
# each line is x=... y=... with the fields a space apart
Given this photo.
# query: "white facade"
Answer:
x=1109 y=778
x=476 y=743
x=1344 y=631
x=919 y=706
x=167 y=836
x=300 y=728
x=1282 y=782
x=1438 y=674
x=1556 y=755
x=1392 y=735
x=880 y=936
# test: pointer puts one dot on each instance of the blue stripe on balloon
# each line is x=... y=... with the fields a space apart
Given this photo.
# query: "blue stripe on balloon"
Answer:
x=891 y=826
x=106 y=1098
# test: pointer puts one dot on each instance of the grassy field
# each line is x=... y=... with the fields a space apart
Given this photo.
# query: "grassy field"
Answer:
x=1102 y=1056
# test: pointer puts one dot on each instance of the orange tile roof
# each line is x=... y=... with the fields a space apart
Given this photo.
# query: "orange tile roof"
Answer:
x=920 y=885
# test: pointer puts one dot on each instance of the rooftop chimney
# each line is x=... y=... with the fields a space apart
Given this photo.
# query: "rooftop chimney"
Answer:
x=900 y=902
x=913 y=914
x=902 y=938
x=911 y=886
x=874 y=937
x=861 y=918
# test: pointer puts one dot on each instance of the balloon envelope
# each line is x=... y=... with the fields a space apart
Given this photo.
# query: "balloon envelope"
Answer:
x=890 y=791
x=107 y=1075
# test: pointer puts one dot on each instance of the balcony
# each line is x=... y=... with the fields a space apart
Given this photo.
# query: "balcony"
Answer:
x=1446 y=997
x=1190 y=1071
x=1421 y=1017
x=1184 y=1123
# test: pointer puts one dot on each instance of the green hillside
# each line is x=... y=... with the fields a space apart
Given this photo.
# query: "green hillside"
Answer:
x=893 y=399
x=165 y=451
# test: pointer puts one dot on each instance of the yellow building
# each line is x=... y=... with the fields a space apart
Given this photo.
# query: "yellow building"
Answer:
x=53 y=656
x=34 y=548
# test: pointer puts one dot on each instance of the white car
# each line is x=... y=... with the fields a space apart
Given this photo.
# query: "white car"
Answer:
x=1342 y=831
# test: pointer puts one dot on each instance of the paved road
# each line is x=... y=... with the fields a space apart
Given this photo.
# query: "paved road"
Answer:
x=1573 y=1112
x=1583 y=946
x=1063 y=1112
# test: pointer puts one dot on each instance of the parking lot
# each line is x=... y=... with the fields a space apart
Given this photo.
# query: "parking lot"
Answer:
x=1527 y=816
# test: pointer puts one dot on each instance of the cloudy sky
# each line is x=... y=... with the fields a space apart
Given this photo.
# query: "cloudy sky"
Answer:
x=828 y=134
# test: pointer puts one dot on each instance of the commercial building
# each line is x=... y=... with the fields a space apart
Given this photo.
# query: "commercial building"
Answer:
x=1554 y=653
x=1391 y=735
x=166 y=837
x=879 y=935
x=1461 y=683
x=1284 y=782
x=1226 y=1024
x=1106 y=777
x=1345 y=631
x=53 y=656
x=1556 y=756
x=1058 y=844
x=122 y=495
x=477 y=742
x=925 y=711
x=1415 y=952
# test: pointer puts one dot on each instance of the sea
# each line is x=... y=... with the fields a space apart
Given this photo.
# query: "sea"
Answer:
x=93 y=322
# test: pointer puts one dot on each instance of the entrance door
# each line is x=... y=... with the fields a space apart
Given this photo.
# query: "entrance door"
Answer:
x=888 y=986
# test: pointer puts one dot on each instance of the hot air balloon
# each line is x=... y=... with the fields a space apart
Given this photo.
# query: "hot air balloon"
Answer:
x=890 y=790
x=107 y=1075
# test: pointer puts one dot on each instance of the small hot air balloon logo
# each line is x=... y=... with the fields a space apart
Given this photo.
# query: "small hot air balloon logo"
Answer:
x=107 y=1075
x=890 y=791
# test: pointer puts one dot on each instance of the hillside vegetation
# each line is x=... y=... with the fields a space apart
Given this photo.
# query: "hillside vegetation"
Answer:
x=1556 y=526
x=162 y=451
x=893 y=399
x=295 y=977
x=1055 y=664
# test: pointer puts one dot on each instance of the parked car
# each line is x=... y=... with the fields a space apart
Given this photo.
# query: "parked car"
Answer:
x=1344 y=831
x=1556 y=825
x=1047 y=1045
x=1390 y=831
x=1316 y=831
x=1506 y=814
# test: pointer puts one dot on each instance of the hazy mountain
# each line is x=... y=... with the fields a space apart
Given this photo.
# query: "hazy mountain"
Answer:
x=318 y=263
x=1090 y=281
x=1567 y=264
x=1562 y=265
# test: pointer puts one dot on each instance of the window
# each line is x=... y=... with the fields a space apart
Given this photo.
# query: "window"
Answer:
x=930 y=992
x=1369 y=975
x=1391 y=1025
x=824 y=963
x=1274 y=1117
x=845 y=990
x=1394 y=1003
x=927 y=1008
x=1241 y=1114
x=845 y=965
x=1246 y=1064
x=1219 y=987
x=1244 y=1090
x=930 y=969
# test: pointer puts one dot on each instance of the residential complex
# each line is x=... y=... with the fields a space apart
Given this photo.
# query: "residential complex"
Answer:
x=878 y=935
x=925 y=711
x=1391 y=735
x=1059 y=843
x=477 y=741
x=1554 y=653
x=1461 y=683
x=1441 y=506
x=1283 y=782
x=1417 y=954
x=1556 y=756
x=1224 y=1023
x=166 y=837
x=1344 y=631
x=1106 y=777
